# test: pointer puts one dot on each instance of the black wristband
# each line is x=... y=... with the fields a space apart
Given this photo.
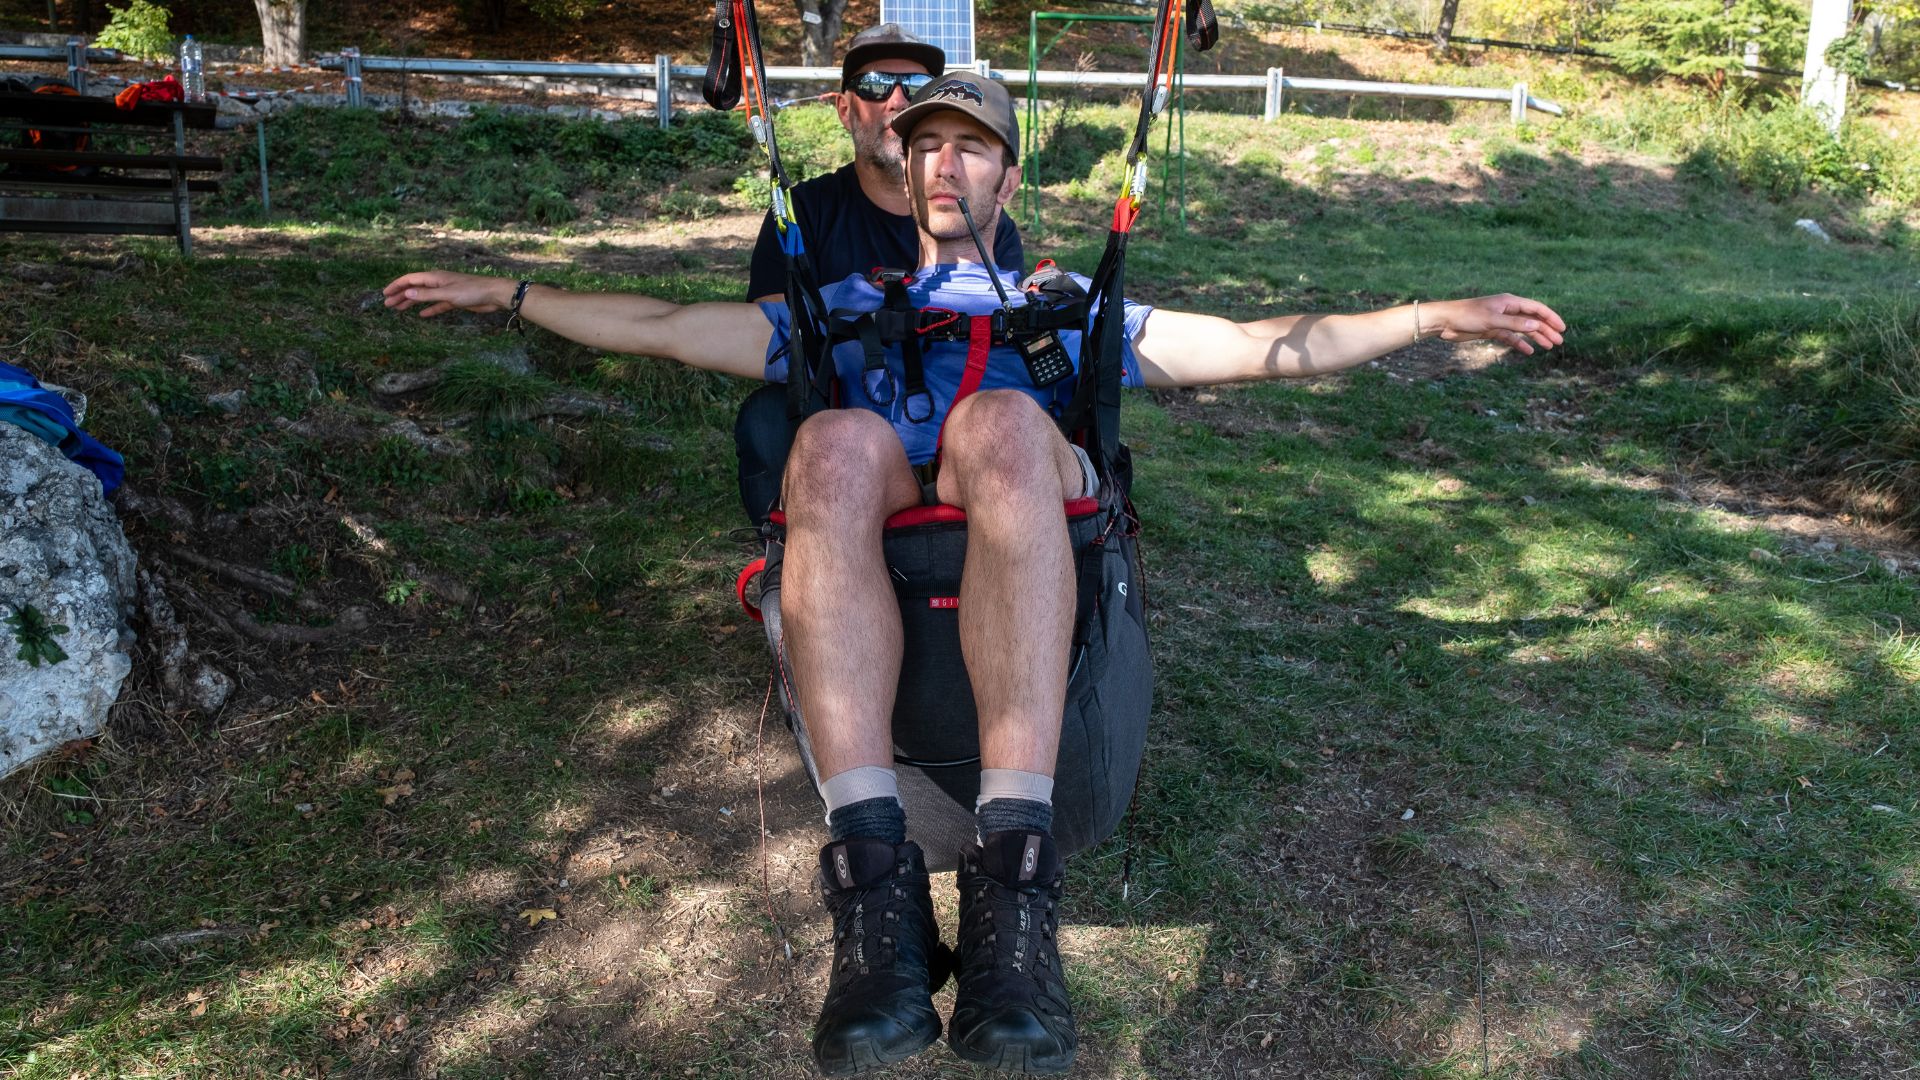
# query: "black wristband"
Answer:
x=514 y=321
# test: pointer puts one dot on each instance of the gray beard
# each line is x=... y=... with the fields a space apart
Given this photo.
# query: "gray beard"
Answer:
x=876 y=150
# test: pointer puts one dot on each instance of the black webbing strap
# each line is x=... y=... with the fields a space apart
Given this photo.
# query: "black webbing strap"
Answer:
x=1202 y=28
x=810 y=355
x=1095 y=408
x=899 y=320
x=721 y=87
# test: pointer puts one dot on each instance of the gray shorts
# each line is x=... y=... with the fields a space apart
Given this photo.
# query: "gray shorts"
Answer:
x=1089 y=479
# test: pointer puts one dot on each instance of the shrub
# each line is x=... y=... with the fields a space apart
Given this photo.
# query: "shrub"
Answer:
x=139 y=30
x=1874 y=436
x=1786 y=150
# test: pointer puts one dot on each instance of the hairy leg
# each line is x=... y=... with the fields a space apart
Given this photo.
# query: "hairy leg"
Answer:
x=1007 y=465
x=846 y=474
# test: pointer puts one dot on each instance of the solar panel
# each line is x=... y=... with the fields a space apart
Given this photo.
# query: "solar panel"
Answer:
x=946 y=23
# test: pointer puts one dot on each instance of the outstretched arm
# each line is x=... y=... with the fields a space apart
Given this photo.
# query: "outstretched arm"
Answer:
x=1179 y=348
x=730 y=338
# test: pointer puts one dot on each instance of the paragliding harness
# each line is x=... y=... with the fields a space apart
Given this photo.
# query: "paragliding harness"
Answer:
x=33 y=138
x=935 y=725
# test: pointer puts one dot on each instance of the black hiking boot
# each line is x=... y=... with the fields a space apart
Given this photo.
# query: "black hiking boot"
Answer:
x=887 y=957
x=1012 y=1010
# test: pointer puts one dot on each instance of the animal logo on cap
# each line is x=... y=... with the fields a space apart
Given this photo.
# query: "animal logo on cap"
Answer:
x=964 y=91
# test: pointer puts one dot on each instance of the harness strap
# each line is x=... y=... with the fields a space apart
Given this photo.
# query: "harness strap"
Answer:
x=903 y=320
x=721 y=87
x=979 y=344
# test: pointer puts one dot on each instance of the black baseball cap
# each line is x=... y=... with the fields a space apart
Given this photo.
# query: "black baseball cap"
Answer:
x=889 y=41
x=967 y=92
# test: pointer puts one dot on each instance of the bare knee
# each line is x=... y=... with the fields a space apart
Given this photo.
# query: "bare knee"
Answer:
x=1001 y=437
x=842 y=460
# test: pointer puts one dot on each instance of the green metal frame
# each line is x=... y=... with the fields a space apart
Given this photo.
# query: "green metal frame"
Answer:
x=1030 y=152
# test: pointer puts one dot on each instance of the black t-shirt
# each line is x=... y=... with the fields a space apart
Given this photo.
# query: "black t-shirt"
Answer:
x=846 y=234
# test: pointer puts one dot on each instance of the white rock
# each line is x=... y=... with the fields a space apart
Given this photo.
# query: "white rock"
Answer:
x=1812 y=228
x=62 y=552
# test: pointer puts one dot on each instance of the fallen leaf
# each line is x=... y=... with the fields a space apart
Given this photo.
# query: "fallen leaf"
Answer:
x=535 y=916
x=1804 y=782
x=200 y=1008
x=391 y=795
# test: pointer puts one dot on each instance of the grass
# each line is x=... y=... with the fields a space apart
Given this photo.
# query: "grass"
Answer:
x=1658 y=759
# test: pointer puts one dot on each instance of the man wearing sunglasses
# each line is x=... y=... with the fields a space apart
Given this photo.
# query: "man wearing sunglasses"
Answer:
x=858 y=217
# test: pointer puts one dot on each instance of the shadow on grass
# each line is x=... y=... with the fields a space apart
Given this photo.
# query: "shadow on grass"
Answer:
x=1649 y=816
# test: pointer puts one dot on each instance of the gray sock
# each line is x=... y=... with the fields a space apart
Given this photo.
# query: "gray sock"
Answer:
x=870 y=819
x=1008 y=815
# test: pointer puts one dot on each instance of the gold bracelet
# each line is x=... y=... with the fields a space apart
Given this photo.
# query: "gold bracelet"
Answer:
x=1416 y=322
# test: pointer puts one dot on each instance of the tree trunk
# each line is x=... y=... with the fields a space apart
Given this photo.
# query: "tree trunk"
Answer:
x=819 y=29
x=1443 y=32
x=283 y=31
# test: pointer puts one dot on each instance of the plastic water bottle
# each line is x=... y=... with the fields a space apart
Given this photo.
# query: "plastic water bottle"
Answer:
x=193 y=70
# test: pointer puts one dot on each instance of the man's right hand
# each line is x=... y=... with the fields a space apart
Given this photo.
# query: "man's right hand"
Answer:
x=444 y=290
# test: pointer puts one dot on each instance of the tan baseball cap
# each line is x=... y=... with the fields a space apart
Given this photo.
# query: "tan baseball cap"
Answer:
x=889 y=41
x=965 y=92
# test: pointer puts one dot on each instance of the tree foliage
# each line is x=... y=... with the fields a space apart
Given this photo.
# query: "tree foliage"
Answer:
x=1702 y=39
x=139 y=30
x=560 y=11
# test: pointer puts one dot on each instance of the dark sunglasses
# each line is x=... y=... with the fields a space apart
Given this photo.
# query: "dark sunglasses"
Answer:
x=878 y=85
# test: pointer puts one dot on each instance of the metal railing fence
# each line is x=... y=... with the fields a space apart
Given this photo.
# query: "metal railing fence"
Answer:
x=1274 y=83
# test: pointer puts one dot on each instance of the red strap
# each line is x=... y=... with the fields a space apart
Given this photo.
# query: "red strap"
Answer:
x=979 y=341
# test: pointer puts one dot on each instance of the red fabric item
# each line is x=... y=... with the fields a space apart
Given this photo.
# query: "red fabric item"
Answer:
x=167 y=89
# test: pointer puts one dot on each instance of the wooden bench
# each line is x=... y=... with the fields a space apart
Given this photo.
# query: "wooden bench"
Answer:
x=124 y=192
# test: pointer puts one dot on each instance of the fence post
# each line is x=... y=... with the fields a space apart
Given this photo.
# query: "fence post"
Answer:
x=983 y=68
x=1276 y=90
x=663 y=88
x=1519 y=103
x=356 y=93
x=77 y=64
x=266 y=204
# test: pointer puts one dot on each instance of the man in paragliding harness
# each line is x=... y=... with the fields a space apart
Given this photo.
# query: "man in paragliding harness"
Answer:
x=946 y=448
